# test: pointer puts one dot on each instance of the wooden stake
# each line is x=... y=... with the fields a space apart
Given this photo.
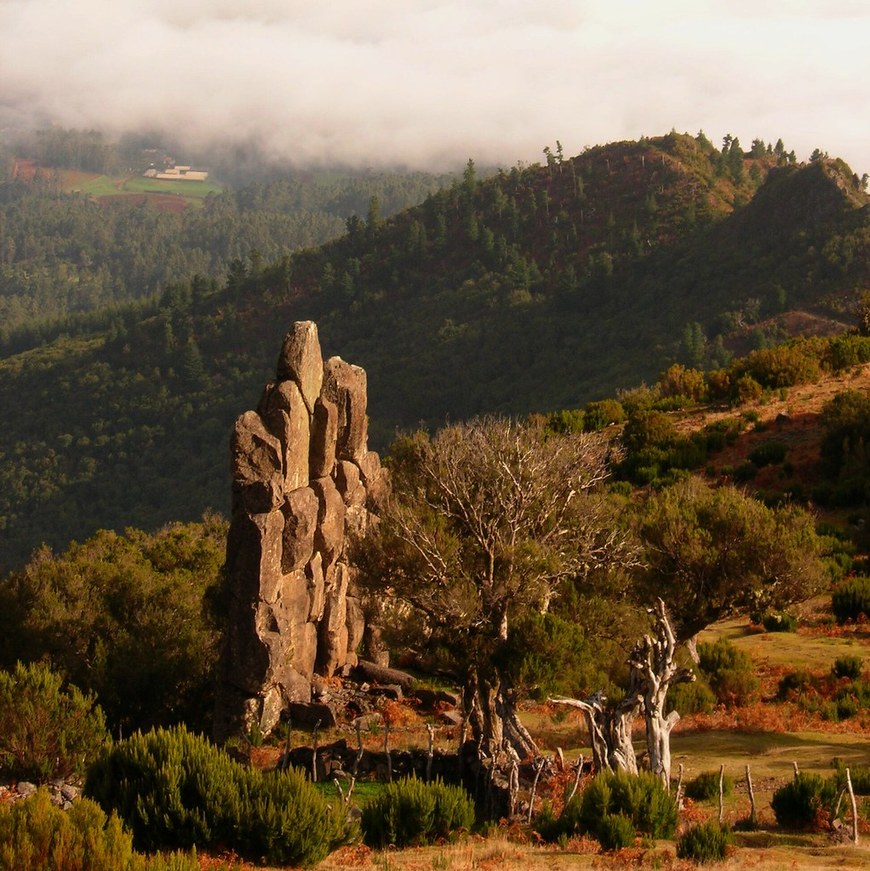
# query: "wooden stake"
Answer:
x=431 y=730
x=539 y=767
x=576 y=780
x=314 y=752
x=854 y=808
x=678 y=796
x=721 y=794
x=752 y=817
x=387 y=751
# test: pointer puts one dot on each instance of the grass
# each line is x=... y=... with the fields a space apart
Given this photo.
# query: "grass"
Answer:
x=363 y=790
x=807 y=648
x=193 y=192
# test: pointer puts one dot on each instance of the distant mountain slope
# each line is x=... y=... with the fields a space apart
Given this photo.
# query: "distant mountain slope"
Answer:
x=538 y=288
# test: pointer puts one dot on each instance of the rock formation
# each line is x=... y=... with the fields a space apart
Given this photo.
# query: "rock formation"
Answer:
x=302 y=478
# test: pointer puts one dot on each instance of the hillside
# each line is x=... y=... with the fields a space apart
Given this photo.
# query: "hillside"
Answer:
x=539 y=288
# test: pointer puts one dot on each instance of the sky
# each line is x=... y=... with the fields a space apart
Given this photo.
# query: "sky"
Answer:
x=428 y=84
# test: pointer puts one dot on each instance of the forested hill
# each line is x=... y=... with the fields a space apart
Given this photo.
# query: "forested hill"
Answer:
x=72 y=243
x=541 y=287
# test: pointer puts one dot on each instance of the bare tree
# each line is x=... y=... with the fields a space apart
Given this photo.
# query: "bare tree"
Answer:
x=653 y=672
x=485 y=520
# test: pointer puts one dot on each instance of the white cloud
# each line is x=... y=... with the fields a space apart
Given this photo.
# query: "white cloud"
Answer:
x=427 y=82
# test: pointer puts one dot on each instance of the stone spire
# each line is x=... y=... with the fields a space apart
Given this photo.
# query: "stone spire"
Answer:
x=302 y=477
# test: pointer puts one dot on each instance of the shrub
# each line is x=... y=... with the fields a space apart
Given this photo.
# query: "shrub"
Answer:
x=707 y=842
x=852 y=599
x=46 y=731
x=859 y=775
x=848 y=666
x=768 y=453
x=795 y=683
x=603 y=413
x=729 y=671
x=36 y=835
x=705 y=786
x=93 y=610
x=779 y=622
x=412 y=812
x=615 y=832
x=641 y=797
x=691 y=698
x=805 y=802
x=175 y=789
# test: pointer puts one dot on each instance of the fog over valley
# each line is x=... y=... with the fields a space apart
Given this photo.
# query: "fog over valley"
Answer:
x=428 y=84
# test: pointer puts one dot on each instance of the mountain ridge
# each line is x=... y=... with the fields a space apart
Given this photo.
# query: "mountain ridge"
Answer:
x=539 y=288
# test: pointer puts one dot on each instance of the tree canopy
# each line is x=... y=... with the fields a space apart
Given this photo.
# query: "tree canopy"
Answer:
x=486 y=520
x=712 y=552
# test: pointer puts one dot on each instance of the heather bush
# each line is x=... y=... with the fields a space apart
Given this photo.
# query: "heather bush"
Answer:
x=410 y=812
x=641 y=797
x=805 y=802
x=729 y=671
x=851 y=599
x=174 y=789
x=794 y=684
x=707 y=842
x=705 y=786
x=779 y=622
x=46 y=730
x=35 y=836
x=848 y=666
x=768 y=453
x=615 y=832
x=691 y=698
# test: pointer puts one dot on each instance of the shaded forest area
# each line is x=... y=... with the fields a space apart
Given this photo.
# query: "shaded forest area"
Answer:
x=539 y=288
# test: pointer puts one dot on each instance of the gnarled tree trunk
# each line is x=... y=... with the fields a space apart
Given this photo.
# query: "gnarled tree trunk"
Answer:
x=653 y=673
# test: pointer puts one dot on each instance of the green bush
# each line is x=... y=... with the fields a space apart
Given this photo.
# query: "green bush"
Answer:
x=768 y=453
x=615 y=832
x=641 y=797
x=35 y=836
x=129 y=617
x=729 y=671
x=691 y=698
x=46 y=731
x=174 y=789
x=705 y=786
x=704 y=843
x=410 y=812
x=779 y=622
x=859 y=775
x=851 y=599
x=848 y=666
x=793 y=684
x=805 y=802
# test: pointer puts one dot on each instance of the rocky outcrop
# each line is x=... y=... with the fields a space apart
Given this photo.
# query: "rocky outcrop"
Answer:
x=303 y=482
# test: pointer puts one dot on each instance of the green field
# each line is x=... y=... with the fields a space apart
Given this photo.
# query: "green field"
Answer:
x=193 y=192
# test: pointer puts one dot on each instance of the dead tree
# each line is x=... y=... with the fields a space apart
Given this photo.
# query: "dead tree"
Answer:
x=609 y=729
x=654 y=670
x=653 y=673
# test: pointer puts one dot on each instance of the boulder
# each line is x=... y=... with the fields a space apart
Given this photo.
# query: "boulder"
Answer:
x=324 y=433
x=345 y=385
x=303 y=480
x=329 y=536
x=300 y=361
x=300 y=523
x=287 y=417
x=349 y=483
x=257 y=466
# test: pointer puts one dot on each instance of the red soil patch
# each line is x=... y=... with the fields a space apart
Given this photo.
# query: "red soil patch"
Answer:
x=24 y=170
